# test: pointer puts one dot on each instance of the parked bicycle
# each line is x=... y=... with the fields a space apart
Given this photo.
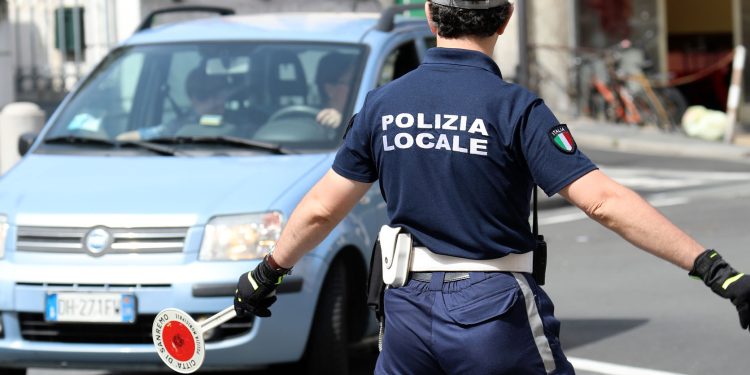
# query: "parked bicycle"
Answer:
x=611 y=85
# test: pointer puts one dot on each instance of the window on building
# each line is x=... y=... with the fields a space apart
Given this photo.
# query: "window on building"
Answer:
x=69 y=32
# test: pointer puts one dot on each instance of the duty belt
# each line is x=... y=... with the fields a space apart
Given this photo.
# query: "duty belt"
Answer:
x=400 y=257
x=424 y=260
x=447 y=278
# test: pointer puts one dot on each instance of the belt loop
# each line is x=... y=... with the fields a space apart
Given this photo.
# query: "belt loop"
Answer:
x=476 y=277
x=436 y=284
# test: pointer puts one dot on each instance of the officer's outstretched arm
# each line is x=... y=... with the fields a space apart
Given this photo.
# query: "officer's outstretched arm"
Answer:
x=324 y=206
x=625 y=212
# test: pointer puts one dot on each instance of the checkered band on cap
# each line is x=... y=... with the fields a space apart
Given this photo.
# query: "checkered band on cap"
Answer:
x=470 y=4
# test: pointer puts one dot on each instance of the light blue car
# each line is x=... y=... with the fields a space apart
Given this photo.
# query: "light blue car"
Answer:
x=171 y=169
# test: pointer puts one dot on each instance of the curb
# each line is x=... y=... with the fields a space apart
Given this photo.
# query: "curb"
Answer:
x=617 y=137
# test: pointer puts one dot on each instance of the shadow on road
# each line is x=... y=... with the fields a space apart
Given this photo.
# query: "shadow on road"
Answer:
x=574 y=333
x=579 y=332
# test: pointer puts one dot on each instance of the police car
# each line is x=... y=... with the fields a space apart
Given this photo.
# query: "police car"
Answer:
x=171 y=169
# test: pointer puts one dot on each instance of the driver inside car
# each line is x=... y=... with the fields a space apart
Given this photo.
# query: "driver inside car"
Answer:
x=207 y=98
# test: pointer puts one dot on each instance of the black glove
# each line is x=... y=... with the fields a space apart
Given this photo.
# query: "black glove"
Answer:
x=724 y=281
x=256 y=290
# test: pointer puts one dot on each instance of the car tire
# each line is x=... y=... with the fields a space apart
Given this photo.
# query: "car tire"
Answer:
x=327 y=347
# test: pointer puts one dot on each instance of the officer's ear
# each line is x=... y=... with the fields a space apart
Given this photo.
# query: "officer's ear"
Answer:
x=428 y=13
x=501 y=30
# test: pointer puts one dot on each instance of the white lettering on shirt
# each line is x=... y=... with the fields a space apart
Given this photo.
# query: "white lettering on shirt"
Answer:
x=386 y=147
x=478 y=146
x=387 y=120
x=449 y=124
x=442 y=143
x=422 y=144
x=420 y=122
x=447 y=133
x=405 y=120
x=478 y=127
x=404 y=140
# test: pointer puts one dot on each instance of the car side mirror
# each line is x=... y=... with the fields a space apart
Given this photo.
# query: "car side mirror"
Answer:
x=25 y=142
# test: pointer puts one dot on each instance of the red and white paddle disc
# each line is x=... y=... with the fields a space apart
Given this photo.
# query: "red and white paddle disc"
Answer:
x=178 y=340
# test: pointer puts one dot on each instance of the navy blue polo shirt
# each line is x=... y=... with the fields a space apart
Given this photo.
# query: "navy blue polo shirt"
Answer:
x=457 y=151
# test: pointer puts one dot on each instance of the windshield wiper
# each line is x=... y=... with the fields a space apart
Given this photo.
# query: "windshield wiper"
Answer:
x=74 y=139
x=157 y=148
x=226 y=140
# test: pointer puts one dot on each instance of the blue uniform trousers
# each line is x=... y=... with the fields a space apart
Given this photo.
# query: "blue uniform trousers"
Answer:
x=490 y=323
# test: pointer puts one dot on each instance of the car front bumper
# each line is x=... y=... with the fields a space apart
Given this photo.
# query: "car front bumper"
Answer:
x=198 y=288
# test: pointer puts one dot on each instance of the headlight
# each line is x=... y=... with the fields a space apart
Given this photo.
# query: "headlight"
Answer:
x=3 y=234
x=241 y=237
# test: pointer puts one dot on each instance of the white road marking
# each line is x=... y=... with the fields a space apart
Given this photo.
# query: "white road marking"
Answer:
x=605 y=368
x=656 y=201
x=564 y=218
x=668 y=201
x=649 y=178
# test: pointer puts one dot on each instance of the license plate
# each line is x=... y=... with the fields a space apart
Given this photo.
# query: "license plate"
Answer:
x=90 y=307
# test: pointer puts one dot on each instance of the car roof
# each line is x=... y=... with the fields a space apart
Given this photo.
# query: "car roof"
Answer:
x=328 y=27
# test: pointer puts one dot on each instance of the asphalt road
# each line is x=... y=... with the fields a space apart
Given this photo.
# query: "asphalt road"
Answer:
x=624 y=311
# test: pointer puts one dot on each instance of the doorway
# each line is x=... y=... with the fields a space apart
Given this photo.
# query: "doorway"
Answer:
x=700 y=41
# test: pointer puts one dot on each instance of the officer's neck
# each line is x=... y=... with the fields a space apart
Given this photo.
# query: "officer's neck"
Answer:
x=484 y=45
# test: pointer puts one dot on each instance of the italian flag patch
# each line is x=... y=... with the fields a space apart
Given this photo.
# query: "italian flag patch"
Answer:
x=562 y=139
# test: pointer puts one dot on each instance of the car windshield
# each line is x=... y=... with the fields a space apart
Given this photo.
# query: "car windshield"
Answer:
x=293 y=96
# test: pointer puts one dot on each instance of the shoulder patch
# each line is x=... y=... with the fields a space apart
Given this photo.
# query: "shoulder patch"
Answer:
x=562 y=139
x=349 y=126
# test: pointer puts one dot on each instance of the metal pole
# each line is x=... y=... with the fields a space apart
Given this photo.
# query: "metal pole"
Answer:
x=735 y=92
x=17 y=47
x=574 y=78
x=61 y=38
x=77 y=9
x=523 y=42
x=32 y=47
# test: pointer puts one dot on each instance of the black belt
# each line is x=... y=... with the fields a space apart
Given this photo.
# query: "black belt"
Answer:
x=448 y=277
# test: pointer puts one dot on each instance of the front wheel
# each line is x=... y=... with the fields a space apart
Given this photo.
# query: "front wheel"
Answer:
x=327 y=347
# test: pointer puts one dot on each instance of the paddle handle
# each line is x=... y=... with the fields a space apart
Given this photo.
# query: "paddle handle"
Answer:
x=218 y=319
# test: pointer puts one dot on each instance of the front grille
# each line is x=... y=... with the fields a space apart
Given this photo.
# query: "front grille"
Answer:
x=126 y=240
x=34 y=328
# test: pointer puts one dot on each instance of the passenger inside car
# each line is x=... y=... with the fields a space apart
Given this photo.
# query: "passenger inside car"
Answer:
x=334 y=77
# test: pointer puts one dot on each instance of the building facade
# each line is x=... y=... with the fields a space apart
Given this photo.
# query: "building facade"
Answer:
x=685 y=43
x=46 y=46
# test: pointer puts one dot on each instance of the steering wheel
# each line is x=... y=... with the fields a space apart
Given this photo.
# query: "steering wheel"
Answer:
x=294 y=111
x=294 y=124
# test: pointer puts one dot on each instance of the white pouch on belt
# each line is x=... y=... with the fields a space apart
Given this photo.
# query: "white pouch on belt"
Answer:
x=395 y=248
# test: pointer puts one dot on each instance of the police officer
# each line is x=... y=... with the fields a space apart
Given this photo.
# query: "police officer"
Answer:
x=457 y=152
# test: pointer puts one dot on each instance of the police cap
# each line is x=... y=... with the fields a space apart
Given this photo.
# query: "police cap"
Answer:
x=470 y=4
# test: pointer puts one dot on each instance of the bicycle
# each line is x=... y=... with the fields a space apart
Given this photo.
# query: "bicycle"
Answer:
x=610 y=85
x=629 y=95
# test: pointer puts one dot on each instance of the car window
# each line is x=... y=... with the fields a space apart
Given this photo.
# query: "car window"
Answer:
x=292 y=94
x=400 y=61
x=108 y=104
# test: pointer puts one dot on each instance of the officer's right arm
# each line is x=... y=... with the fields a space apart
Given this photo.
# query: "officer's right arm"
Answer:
x=626 y=213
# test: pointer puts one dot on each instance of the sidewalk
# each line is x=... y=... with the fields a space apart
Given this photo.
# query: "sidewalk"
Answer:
x=628 y=138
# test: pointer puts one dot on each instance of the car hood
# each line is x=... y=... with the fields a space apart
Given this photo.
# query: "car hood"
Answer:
x=188 y=190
